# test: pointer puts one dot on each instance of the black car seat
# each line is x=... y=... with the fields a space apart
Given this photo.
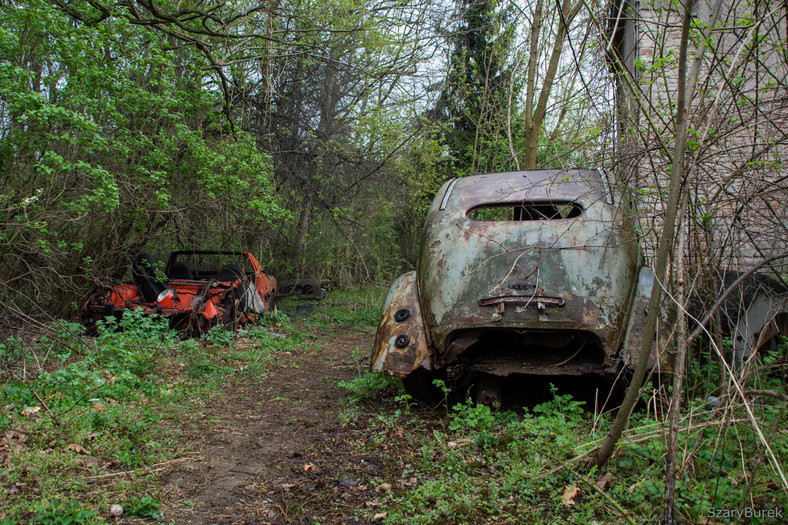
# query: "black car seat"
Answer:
x=181 y=270
x=145 y=278
x=230 y=272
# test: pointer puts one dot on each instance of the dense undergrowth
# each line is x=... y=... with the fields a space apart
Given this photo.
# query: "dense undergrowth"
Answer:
x=90 y=422
x=487 y=466
x=87 y=422
x=463 y=463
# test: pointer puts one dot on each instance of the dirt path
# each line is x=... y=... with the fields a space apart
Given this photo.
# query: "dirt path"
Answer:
x=268 y=450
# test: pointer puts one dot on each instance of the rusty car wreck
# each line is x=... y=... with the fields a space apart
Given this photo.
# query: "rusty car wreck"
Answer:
x=195 y=291
x=527 y=273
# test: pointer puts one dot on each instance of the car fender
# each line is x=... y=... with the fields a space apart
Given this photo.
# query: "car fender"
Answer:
x=401 y=344
x=763 y=318
x=663 y=352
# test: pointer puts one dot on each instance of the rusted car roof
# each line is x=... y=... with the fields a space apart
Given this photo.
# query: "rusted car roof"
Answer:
x=584 y=186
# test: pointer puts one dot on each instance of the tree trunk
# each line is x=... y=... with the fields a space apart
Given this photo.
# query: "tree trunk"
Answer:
x=535 y=115
x=665 y=247
x=303 y=230
x=675 y=405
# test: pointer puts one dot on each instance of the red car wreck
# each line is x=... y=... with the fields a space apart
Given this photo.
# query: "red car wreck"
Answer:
x=196 y=291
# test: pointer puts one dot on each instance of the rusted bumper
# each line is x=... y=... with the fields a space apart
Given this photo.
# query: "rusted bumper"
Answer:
x=401 y=344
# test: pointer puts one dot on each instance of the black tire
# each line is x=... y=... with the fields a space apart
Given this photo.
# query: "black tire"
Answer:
x=419 y=385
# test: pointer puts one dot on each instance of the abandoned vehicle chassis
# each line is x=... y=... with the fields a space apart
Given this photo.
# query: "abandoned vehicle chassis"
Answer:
x=193 y=301
x=535 y=272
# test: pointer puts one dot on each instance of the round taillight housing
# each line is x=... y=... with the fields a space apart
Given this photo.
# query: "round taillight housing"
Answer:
x=166 y=298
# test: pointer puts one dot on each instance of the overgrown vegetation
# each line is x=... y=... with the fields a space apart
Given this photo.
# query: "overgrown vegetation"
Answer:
x=315 y=134
x=475 y=464
x=356 y=309
x=89 y=422
x=110 y=407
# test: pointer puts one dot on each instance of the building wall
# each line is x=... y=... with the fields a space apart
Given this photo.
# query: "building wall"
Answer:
x=738 y=144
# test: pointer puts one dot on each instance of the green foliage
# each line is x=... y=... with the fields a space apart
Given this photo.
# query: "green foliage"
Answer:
x=219 y=336
x=358 y=309
x=109 y=400
x=368 y=386
x=144 y=507
x=478 y=79
x=483 y=465
x=58 y=513
x=278 y=319
x=112 y=135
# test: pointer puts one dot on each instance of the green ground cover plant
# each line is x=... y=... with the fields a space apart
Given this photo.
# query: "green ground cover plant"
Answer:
x=110 y=408
x=468 y=463
x=358 y=308
x=87 y=420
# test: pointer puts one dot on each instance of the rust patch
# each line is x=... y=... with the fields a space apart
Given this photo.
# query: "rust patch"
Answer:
x=401 y=340
x=529 y=272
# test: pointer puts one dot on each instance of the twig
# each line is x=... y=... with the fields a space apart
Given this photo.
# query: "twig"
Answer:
x=148 y=469
x=639 y=438
x=54 y=417
x=759 y=461
x=124 y=473
x=770 y=393
x=608 y=497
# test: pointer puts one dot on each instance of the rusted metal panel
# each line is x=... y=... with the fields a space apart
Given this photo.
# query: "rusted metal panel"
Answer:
x=401 y=342
x=530 y=272
x=559 y=274
x=664 y=350
x=763 y=318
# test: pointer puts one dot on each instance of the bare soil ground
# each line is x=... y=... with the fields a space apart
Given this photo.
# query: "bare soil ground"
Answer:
x=272 y=449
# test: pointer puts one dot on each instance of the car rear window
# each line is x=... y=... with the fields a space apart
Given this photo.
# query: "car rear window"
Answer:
x=526 y=211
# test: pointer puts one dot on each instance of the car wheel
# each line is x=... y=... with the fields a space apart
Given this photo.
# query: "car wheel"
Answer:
x=420 y=385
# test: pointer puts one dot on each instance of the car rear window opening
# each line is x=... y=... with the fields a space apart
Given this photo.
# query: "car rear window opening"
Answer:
x=526 y=211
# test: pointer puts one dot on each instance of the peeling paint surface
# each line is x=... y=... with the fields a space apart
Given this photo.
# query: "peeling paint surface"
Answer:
x=401 y=341
x=520 y=272
x=193 y=300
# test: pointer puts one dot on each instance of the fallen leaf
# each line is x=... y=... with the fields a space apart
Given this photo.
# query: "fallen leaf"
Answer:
x=475 y=461
x=570 y=493
x=602 y=482
x=76 y=448
x=410 y=482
